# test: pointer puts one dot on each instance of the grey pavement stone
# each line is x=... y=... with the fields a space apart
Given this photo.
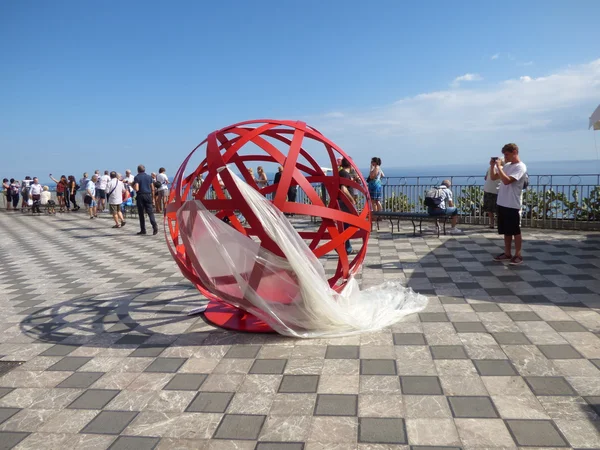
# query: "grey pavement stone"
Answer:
x=567 y=326
x=342 y=352
x=186 y=382
x=511 y=338
x=7 y=413
x=109 y=422
x=469 y=327
x=5 y=391
x=522 y=316
x=210 y=402
x=549 y=386
x=495 y=367
x=81 y=380
x=336 y=405
x=409 y=339
x=448 y=352
x=9 y=439
x=134 y=443
x=148 y=350
x=268 y=366
x=433 y=317
x=561 y=351
x=237 y=426
x=165 y=365
x=378 y=430
x=536 y=433
x=280 y=446
x=243 y=351
x=94 y=399
x=420 y=385
x=70 y=363
x=378 y=367
x=59 y=350
x=472 y=407
x=299 y=384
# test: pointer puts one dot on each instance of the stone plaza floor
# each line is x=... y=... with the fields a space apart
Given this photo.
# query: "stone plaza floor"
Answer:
x=94 y=319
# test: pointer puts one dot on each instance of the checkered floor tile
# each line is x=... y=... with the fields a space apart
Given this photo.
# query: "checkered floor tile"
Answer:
x=103 y=355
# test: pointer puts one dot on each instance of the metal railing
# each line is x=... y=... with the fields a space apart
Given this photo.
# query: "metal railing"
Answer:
x=550 y=201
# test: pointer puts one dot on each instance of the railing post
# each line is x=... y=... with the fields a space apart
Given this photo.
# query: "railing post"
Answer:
x=544 y=207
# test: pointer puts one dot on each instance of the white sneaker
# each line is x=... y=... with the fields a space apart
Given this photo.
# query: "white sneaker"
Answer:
x=455 y=231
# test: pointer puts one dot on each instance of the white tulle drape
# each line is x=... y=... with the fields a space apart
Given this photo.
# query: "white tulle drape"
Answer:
x=292 y=295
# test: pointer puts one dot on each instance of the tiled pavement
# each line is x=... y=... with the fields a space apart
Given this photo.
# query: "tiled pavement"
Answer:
x=502 y=357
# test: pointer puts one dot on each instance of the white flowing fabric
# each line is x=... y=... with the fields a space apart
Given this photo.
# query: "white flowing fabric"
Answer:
x=292 y=294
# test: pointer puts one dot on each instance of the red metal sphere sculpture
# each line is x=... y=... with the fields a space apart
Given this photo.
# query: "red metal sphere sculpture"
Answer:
x=283 y=143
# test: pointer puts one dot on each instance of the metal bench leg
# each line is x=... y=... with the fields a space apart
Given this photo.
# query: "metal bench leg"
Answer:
x=398 y=225
x=414 y=226
x=392 y=225
x=444 y=224
x=437 y=226
x=420 y=227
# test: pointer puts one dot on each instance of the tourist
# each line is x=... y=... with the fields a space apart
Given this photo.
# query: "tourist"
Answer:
x=90 y=197
x=61 y=188
x=15 y=190
x=252 y=176
x=114 y=190
x=83 y=186
x=374 y=181
x=72 y=192
x=144 y=188
x=163 y=190
x=346 y=196
x=7 y=195
x=510 y=201
x=292 y=190
x=46 y=200
x=25 y=184
x=490 y=195
x=128 y=181
x=101 y=190
x=196 y=184
x=262 y=179
x=35 y=191
x=439 y=202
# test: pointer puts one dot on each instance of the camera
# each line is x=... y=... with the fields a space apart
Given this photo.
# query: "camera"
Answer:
x=494 y=158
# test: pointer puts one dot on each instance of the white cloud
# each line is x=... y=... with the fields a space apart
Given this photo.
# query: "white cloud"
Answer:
x=496 y=56
x=466 y=77
x=546 y=111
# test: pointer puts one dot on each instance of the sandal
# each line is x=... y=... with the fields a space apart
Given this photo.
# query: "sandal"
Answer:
x=116 y=226
x=503 y=257
x=516 y=261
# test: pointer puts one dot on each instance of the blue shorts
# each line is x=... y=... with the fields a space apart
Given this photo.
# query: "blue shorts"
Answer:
x=449 y=211
x=92 y=204
x=376 y=192
x=100 y=193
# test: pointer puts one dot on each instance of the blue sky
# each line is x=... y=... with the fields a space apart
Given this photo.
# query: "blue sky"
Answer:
x=86 y=85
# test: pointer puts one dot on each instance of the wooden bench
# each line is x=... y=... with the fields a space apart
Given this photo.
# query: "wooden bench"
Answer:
x=414 y=217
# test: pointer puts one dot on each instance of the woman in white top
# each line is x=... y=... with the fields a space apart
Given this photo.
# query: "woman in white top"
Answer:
x=490 y=195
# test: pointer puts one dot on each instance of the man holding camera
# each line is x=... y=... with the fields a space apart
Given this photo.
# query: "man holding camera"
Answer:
x=510 y=200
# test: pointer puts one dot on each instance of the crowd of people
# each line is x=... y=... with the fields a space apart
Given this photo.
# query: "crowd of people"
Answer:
x=504 y=182
x=108 y=192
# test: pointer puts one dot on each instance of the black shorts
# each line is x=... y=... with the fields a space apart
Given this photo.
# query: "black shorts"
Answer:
x=489 y=202
x=509 y=221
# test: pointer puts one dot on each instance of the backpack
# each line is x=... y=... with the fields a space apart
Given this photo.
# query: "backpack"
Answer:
x=433 y=197
x=525 y=181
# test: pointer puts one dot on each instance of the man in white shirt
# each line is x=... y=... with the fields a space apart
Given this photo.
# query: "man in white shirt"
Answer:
x=101 y=190
x=90 y=196
x=114 y=190
x=510 y=201
x=35 y=190
x=163 y=191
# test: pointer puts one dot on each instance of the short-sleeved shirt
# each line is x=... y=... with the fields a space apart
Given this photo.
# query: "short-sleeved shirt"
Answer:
x=163 y=180
x=511 y=195
x=104 y=179
x=491 y=186
x=115 y=189
x=83 y=183
x=35 y=189
x=91 y=188
x=144 y=182
x=445 y=195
